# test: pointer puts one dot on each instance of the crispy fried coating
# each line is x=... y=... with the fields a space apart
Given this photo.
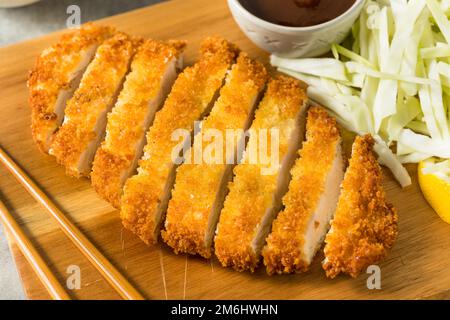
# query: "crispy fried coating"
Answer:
x=284 y=251
x=145 y=195
x=255 y=195
x=56 y=75
x=153 y=71
x=86 y=112
x=365 y=225
x=193 y=211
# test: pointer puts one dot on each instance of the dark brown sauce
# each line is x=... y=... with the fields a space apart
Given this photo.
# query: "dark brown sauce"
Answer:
x=297 y=13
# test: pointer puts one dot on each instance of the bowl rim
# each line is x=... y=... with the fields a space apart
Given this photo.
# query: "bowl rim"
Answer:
x=272 y=26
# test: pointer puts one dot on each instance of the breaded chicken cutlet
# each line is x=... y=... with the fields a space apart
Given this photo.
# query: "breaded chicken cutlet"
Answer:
x=364 y=226
x=255 y=193
x=80 y=93
x=299 y=230
x=153 y=72
x=145 y=195
x=84 y=123
x=55 y=77
x=193 y=212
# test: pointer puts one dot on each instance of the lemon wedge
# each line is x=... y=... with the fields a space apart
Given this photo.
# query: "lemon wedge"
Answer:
x=434 y=180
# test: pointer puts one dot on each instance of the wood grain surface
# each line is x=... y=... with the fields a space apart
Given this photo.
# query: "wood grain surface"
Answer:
x=417 y=267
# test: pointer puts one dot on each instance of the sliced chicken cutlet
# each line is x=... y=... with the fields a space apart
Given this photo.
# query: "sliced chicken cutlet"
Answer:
x=153 y=72
x=84 y=123
x=258 y=186
x=364 y=227
x=145 y=195
x=200 y=188
x=299 y=230
x=55 y=77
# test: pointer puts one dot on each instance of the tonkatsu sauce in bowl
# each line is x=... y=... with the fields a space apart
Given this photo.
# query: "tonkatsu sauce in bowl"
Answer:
x=296 y=28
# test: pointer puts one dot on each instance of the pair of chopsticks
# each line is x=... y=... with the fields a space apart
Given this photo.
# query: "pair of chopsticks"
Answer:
x=106 y=269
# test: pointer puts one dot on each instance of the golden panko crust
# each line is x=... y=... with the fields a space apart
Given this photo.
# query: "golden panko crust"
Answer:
x=250 y=195
x=126 y=128
x=190 y=209
x=283 y=252
x=52 y=74
x=251 y=192
x=216 y=46
x=98 y=89
x=364 y=226
x=189 y=100
x=137 y=202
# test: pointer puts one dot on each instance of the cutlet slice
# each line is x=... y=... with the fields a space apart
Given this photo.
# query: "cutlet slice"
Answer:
x=55 y=77
x=200 y=188
x=258 y=186
x=364 y=227
x=84 y=123
x=299 y=230
x=153 y=72
x=146 y=194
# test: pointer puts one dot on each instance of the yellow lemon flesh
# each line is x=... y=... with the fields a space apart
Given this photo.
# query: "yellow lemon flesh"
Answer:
x=435 y=185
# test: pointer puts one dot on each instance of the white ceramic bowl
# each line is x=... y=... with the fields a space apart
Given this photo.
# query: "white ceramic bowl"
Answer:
x=293 y=42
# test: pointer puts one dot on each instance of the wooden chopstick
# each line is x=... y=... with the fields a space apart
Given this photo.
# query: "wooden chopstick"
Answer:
x=33 y=257
x=106 y=269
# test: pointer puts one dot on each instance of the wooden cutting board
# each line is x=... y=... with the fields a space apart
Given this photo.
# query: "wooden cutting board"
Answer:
x=417 y=267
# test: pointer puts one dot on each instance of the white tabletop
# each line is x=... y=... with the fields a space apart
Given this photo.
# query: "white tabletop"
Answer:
x=28 y=22
x=10 y=286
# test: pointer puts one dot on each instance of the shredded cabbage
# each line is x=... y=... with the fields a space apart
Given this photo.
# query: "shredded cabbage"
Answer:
x=442 y=51
x=327 y=68
x=391 y=79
